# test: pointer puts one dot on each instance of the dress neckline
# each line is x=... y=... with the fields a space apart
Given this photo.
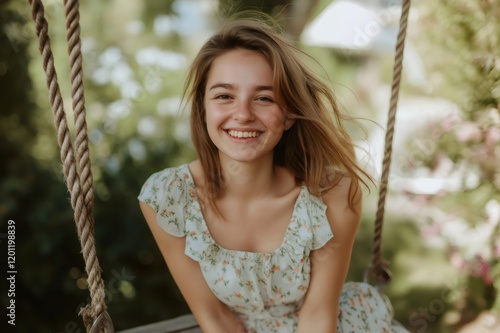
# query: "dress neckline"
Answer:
x=293 y=219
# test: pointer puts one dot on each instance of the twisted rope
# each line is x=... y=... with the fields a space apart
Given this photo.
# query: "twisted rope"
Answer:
x=378 y=267
x=78 y=176
x=78 y=99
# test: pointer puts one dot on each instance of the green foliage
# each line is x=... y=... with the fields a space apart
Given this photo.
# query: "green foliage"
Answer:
x=464 y=41
x=464 y=49
x=51 y=284
x=229 y=7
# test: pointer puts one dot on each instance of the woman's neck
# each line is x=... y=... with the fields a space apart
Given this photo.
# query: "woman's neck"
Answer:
x=249 y=180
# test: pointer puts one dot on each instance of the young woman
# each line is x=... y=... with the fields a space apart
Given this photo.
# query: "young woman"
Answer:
x=247 y=230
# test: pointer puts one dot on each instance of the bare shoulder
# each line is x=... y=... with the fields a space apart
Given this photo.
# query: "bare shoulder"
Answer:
x=196 y=172
x=344 y=205
x=344 y=194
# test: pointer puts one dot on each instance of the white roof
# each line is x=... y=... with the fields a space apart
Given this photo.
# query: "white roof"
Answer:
x=350 y=26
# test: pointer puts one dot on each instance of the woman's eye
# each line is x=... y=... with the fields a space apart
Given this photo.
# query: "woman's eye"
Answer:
x=265 y=99
x=222 y=97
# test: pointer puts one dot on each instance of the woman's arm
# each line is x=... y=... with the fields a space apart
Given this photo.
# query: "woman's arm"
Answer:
x=329 y=265
x=212 y=315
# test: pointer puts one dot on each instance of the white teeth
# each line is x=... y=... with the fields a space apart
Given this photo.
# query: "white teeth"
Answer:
x=238 y=134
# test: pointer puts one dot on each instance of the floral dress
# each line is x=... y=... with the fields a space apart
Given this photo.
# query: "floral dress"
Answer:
x=265 y=290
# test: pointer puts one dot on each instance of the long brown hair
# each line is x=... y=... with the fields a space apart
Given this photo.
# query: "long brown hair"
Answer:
x=316 y=149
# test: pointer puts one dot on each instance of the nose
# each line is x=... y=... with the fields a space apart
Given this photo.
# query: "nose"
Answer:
x=243 y=112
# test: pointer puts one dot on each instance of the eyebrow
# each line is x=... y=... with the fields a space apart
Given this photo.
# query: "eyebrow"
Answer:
x=230 y=86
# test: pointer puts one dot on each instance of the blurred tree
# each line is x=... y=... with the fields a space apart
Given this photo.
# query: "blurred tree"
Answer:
x=132 y=69
x=51 y=284
x=464 y=61
x=17 y=128
x=30 y=193
x=293 y=14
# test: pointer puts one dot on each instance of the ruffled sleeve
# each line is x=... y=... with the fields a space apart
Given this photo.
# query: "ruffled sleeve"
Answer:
x=166 y=192
x=319 y=225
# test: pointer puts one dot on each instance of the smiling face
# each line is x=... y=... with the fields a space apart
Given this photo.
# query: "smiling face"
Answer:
x=243 y=118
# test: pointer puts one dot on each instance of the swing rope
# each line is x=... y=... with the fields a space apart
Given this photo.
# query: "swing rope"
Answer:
x=379 y=268
x=77 y=172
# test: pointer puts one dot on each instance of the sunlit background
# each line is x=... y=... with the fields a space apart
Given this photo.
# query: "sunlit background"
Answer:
x=442 y=222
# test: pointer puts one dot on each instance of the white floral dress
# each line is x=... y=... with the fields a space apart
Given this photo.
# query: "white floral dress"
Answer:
x=265 y=290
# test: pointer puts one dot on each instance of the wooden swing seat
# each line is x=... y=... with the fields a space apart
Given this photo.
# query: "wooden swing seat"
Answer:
x=181 y=324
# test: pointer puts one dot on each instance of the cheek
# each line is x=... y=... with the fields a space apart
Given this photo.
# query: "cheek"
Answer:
x=211 y=114
x=276 y=122
x=214 y=121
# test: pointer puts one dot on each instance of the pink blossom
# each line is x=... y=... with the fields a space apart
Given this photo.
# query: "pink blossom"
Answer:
x=492 y=137
x=468 y=131
x=484 y=271
x=430 y=231
x=457 y=260
x=450 y=121
x=496 y=249
x=494 y=134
